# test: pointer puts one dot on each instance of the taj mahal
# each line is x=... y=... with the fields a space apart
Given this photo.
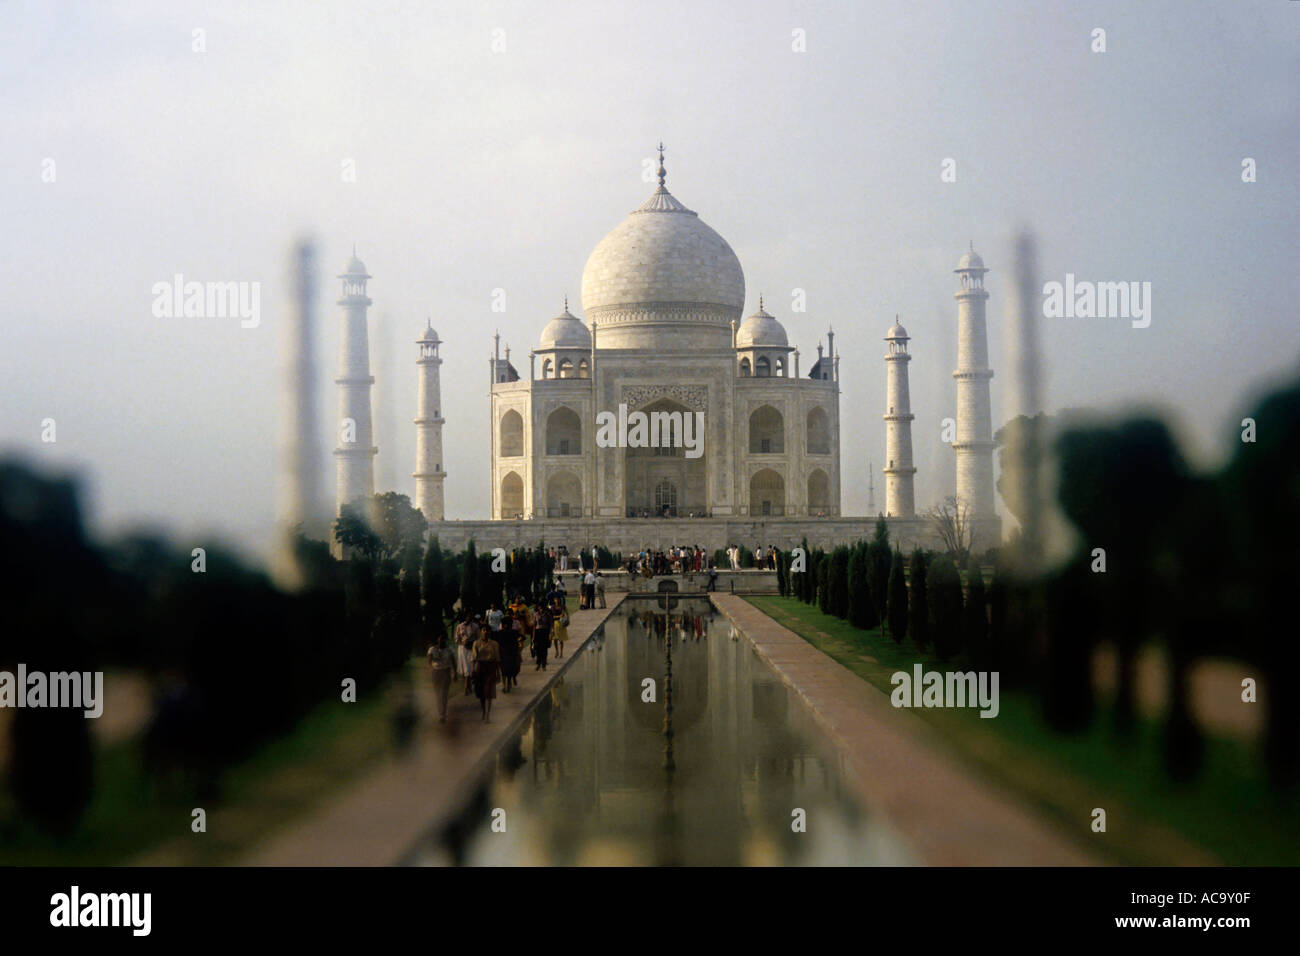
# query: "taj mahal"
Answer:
x=664 y=334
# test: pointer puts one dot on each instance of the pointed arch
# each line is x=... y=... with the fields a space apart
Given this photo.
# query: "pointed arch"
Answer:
x=510 y=438
x=766 y=431
x=512 y=496
x=563 y=432
x=818 y=431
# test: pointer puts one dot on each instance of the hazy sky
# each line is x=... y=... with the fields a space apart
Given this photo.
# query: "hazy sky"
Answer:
x=479 y=170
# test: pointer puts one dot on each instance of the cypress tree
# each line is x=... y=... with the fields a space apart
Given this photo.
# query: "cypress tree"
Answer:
x=469 y=579
x=943 y=583
x=857 y=596
x=806 y=581
x=781 y=560
x=897 y=602
x=975 y=621
x=863 y=610
x=838 y=582
x=431 y=580
x=878 y=561
x=918 y=618
x=489 y=582
x=823 y=582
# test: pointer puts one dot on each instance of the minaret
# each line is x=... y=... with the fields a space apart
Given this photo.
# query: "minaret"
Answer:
x=428 y=429
x=900 y=496
x=974 y=441
x=356 y=451
x=301 y=507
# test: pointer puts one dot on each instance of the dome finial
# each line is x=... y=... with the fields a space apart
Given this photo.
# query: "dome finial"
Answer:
x=663 y=173
x=760 y=302
x=566 y=303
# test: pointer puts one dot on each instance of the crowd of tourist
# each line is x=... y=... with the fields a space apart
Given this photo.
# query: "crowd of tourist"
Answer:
x=488 y=649
x=764 y=558
x=680 y=560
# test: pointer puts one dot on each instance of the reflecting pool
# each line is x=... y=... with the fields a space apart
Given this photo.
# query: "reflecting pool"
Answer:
x=667 y=742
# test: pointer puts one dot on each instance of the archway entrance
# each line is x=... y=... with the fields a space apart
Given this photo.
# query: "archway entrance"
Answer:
x=655 y=478
x=767 y=494
x=512 y=496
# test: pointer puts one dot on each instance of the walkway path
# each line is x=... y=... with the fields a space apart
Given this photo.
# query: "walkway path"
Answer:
x=378 y=820
x=897 y=767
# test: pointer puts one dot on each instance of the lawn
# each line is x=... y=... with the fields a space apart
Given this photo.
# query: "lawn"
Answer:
x=1228 y=812
x=285 y=778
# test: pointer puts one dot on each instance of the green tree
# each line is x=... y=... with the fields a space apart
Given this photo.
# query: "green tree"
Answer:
x=878 y=561
x=807 y=578
x=881 y=535
x=380 y=528
x=823 y=582
x=975 y=621
x=1121 y=486
x=432 y=580
x=897 y=610
x=469 y=577
x=838 y=582
x=862 y=600
x=353 y=530
x=943 y=584
x=918 y=618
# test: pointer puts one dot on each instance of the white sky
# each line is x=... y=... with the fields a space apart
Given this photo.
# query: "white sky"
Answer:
x=480 y=170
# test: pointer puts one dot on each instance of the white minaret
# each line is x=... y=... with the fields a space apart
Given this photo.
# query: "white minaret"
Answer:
x=900 y=496
x=303 y=454
x=356 y=450
x=428 y=429
x=974 y=442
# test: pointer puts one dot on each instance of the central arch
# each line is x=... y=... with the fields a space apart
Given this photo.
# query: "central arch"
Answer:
x=645 y=470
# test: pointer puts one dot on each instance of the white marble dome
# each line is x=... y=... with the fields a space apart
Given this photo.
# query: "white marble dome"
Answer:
x=662 y=278
x=970 y=261
x=761 y=330
x=565 y=331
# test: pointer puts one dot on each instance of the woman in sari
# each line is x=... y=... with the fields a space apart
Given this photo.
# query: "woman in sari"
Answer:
x=559 y=627
x=442 y=668
x=487 y=668
x=510 y=654
x=464 y=634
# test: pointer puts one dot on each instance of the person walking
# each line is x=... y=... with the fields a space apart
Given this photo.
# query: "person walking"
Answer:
x=541 y=637
x=511 y=657
x=599 y=585
x=442 y=667
x=465 y=634
x=713 y=578
x=487 y=668
x=589 y=590
x=560 y=627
